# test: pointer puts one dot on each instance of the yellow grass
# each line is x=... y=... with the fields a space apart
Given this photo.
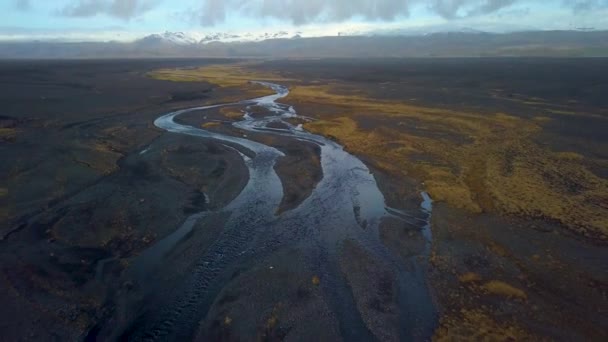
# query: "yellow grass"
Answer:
x=500 y=288
x=235 y=76
x=221 y=74
x=211 y=124
x=474 y=161
x=7 y=133
x=469 y=277
x=476 y=325
x=232 y=113
x=272 y=322
x=500 y=169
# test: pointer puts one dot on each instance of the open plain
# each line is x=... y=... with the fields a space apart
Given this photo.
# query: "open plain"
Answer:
x=335 y=199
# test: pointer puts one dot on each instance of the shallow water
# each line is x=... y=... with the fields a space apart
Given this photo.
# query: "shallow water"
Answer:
x=345 y=204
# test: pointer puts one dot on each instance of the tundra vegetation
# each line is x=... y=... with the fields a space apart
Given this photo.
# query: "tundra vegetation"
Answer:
x=474 y=161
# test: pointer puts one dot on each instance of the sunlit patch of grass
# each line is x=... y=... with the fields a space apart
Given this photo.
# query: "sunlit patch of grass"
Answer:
x=534 y=103
x=469 y=277
x=501 y=288
x=272 y=322
x=211 y=124
x=571 y=156
x=476 y=325
x=541 y=119
x=236 y=76
x=546 y=105
x=456 y=194
x=499 y=169
x=224 y=75
x=232 y=113
x=574 y=113
x=7 y=133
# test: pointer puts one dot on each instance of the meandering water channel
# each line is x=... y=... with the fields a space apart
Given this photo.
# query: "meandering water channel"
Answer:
x=345 y=204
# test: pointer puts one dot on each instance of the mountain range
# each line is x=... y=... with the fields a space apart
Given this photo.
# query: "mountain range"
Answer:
x=181 y=38
x=283 y=44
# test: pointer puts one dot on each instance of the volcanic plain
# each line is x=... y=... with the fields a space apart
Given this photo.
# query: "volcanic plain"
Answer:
x=512 y=152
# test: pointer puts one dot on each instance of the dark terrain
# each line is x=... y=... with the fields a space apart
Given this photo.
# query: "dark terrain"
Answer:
x=546 y=43
x=76 y=190
x=88 y=183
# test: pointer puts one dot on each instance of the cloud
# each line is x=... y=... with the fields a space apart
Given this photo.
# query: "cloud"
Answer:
x=588 y=5
x=301 y=12
x=22 y=5
x=491 y=6
x=452 y=9
x=122 y=9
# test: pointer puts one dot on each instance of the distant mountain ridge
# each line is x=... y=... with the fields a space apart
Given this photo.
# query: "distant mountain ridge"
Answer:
x=181 y=38
x=283 y=44
x=178 y=38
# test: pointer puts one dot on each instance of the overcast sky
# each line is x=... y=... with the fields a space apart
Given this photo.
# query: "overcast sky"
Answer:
x=129 y=19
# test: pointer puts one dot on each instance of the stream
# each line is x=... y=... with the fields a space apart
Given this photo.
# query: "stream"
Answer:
x=345 y=204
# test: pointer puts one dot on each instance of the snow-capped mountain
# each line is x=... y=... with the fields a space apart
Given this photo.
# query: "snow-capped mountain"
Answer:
x=220 y=37
x=177 y=38
x=197 y=38
x=247 y=37
x=184 y=39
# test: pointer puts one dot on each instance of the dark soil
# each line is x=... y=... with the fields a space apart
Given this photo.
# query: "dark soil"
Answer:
x=88 y=183
x=79 y=188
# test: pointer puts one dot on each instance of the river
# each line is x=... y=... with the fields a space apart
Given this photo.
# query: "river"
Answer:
x=345 y=204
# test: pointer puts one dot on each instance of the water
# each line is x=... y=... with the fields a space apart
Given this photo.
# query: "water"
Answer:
x=345 y=204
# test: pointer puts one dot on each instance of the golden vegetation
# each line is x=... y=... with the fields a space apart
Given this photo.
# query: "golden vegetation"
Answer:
x=478 y=162
x=469 y=277
x=228 y=76
x=474 y=161
x=475 y=325
x=272 y=322
x=493 y=287
x=211 y=124
x=224 y=75
x=232 y=113
x=7 y=133
x=501 y=288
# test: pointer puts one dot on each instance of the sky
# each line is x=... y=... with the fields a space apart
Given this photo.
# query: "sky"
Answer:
x=124 y=20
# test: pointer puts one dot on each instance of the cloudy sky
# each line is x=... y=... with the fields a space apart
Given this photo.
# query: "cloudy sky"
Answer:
x=130 y=19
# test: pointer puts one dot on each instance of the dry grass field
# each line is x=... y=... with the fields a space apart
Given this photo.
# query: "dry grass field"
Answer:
x=475 y=161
